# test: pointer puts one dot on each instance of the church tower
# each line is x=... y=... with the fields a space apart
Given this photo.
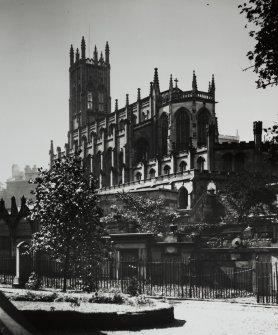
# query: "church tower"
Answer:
x=89 y=96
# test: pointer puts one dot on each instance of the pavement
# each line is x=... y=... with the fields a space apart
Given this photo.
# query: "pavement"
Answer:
x=216 y=318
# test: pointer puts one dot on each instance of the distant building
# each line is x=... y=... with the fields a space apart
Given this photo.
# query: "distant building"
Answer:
x=18 y=185
x=228 y=138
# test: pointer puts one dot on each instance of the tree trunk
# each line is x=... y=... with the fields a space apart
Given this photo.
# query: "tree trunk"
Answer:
x=65 y=271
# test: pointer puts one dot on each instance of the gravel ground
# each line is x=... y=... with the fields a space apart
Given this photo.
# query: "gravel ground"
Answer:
x=217 y=318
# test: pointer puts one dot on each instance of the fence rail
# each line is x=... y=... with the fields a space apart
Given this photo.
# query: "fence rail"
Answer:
x=180 y=279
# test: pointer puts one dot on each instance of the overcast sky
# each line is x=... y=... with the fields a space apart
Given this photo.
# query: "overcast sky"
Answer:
x=177 y=36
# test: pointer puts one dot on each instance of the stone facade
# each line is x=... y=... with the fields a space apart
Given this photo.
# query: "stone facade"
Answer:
x=167 y=141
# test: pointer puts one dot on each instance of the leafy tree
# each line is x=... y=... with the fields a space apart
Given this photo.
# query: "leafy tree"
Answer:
x=271 y=143
x=245 y=195
x=263 y=16
x=67 y=211
x=147 y=215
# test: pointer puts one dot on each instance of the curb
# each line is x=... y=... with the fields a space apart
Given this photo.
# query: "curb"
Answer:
x=47 y=320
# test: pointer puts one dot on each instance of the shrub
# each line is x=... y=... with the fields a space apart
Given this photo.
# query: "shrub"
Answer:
x=133 y=287
x=33 y=282
x=108 y=298
x=31 y=296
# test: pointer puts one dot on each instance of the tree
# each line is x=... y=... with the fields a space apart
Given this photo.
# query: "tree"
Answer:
x=271 y=143
x=263 y=16
x=245 y=195
x=67 y=211
x=145 y=214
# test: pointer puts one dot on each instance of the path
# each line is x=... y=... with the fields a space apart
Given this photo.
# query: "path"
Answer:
x=217 y=318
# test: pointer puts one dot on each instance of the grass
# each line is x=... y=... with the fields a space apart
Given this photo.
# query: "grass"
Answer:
x=100 y=301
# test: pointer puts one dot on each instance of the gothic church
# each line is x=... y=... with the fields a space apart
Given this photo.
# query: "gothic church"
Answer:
x=165 y=144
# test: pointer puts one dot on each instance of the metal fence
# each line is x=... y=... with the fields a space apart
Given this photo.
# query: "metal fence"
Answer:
x=179 y=279
x=158 y=278
x=7 y=270
x=267 y=282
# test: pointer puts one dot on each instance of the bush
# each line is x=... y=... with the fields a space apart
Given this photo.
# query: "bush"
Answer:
x=31 y=296
x=133 y=287
x=108 y=298
x=33 y=282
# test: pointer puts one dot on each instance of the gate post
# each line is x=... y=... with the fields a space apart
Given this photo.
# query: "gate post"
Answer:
x=23 y=266
x=257 y=279
x=189 y=277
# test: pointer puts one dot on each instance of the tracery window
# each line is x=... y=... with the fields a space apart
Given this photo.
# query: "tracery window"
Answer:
x=138 y=176
x=167 y=169
x=182 y=166
x=182 y=130
x=202 y=123
x=200 y=164
x=141 y=150
x=183 y=198
x=164 y=134
x=101 y=101
x=152 y=173
x=90 y=100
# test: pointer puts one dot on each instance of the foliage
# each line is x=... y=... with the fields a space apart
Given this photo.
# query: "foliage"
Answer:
x=245 y=195
x=263 y=17
x=198 y=228
x=271 y=143
x=33 y=282
x=147 y=215
x=133 y=287
x=108 y=298
x=67 y=211
x=35 y=296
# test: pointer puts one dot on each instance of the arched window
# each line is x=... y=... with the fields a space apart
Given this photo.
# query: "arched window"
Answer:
x=96 y=167
x=152 y=173
x=73 y=100
x=239 y=162
x=107 y=164
x=78 y=98
x=138 y=176
x=90 y=100
x=164 y=134
x=122 y=125
x=110 y=130
x=84 y=146
x=101 y=101
x=75 y=145
x=141 y=150
x=133 y=119
x=183 y=198
x=182 y=130
x=121 y=161
x=202 y=123
x=200 y=163
x=228 y=162
x=166 y=169
x=182 y=166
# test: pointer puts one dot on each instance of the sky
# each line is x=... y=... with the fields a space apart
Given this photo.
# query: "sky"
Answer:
x=177 y=36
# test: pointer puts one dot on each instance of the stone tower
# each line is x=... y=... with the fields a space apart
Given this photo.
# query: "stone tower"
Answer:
x=89 y=95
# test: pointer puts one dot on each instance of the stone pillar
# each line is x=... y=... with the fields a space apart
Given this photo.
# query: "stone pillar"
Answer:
x=23 y=266
x=123 y=175
x=111 y=178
